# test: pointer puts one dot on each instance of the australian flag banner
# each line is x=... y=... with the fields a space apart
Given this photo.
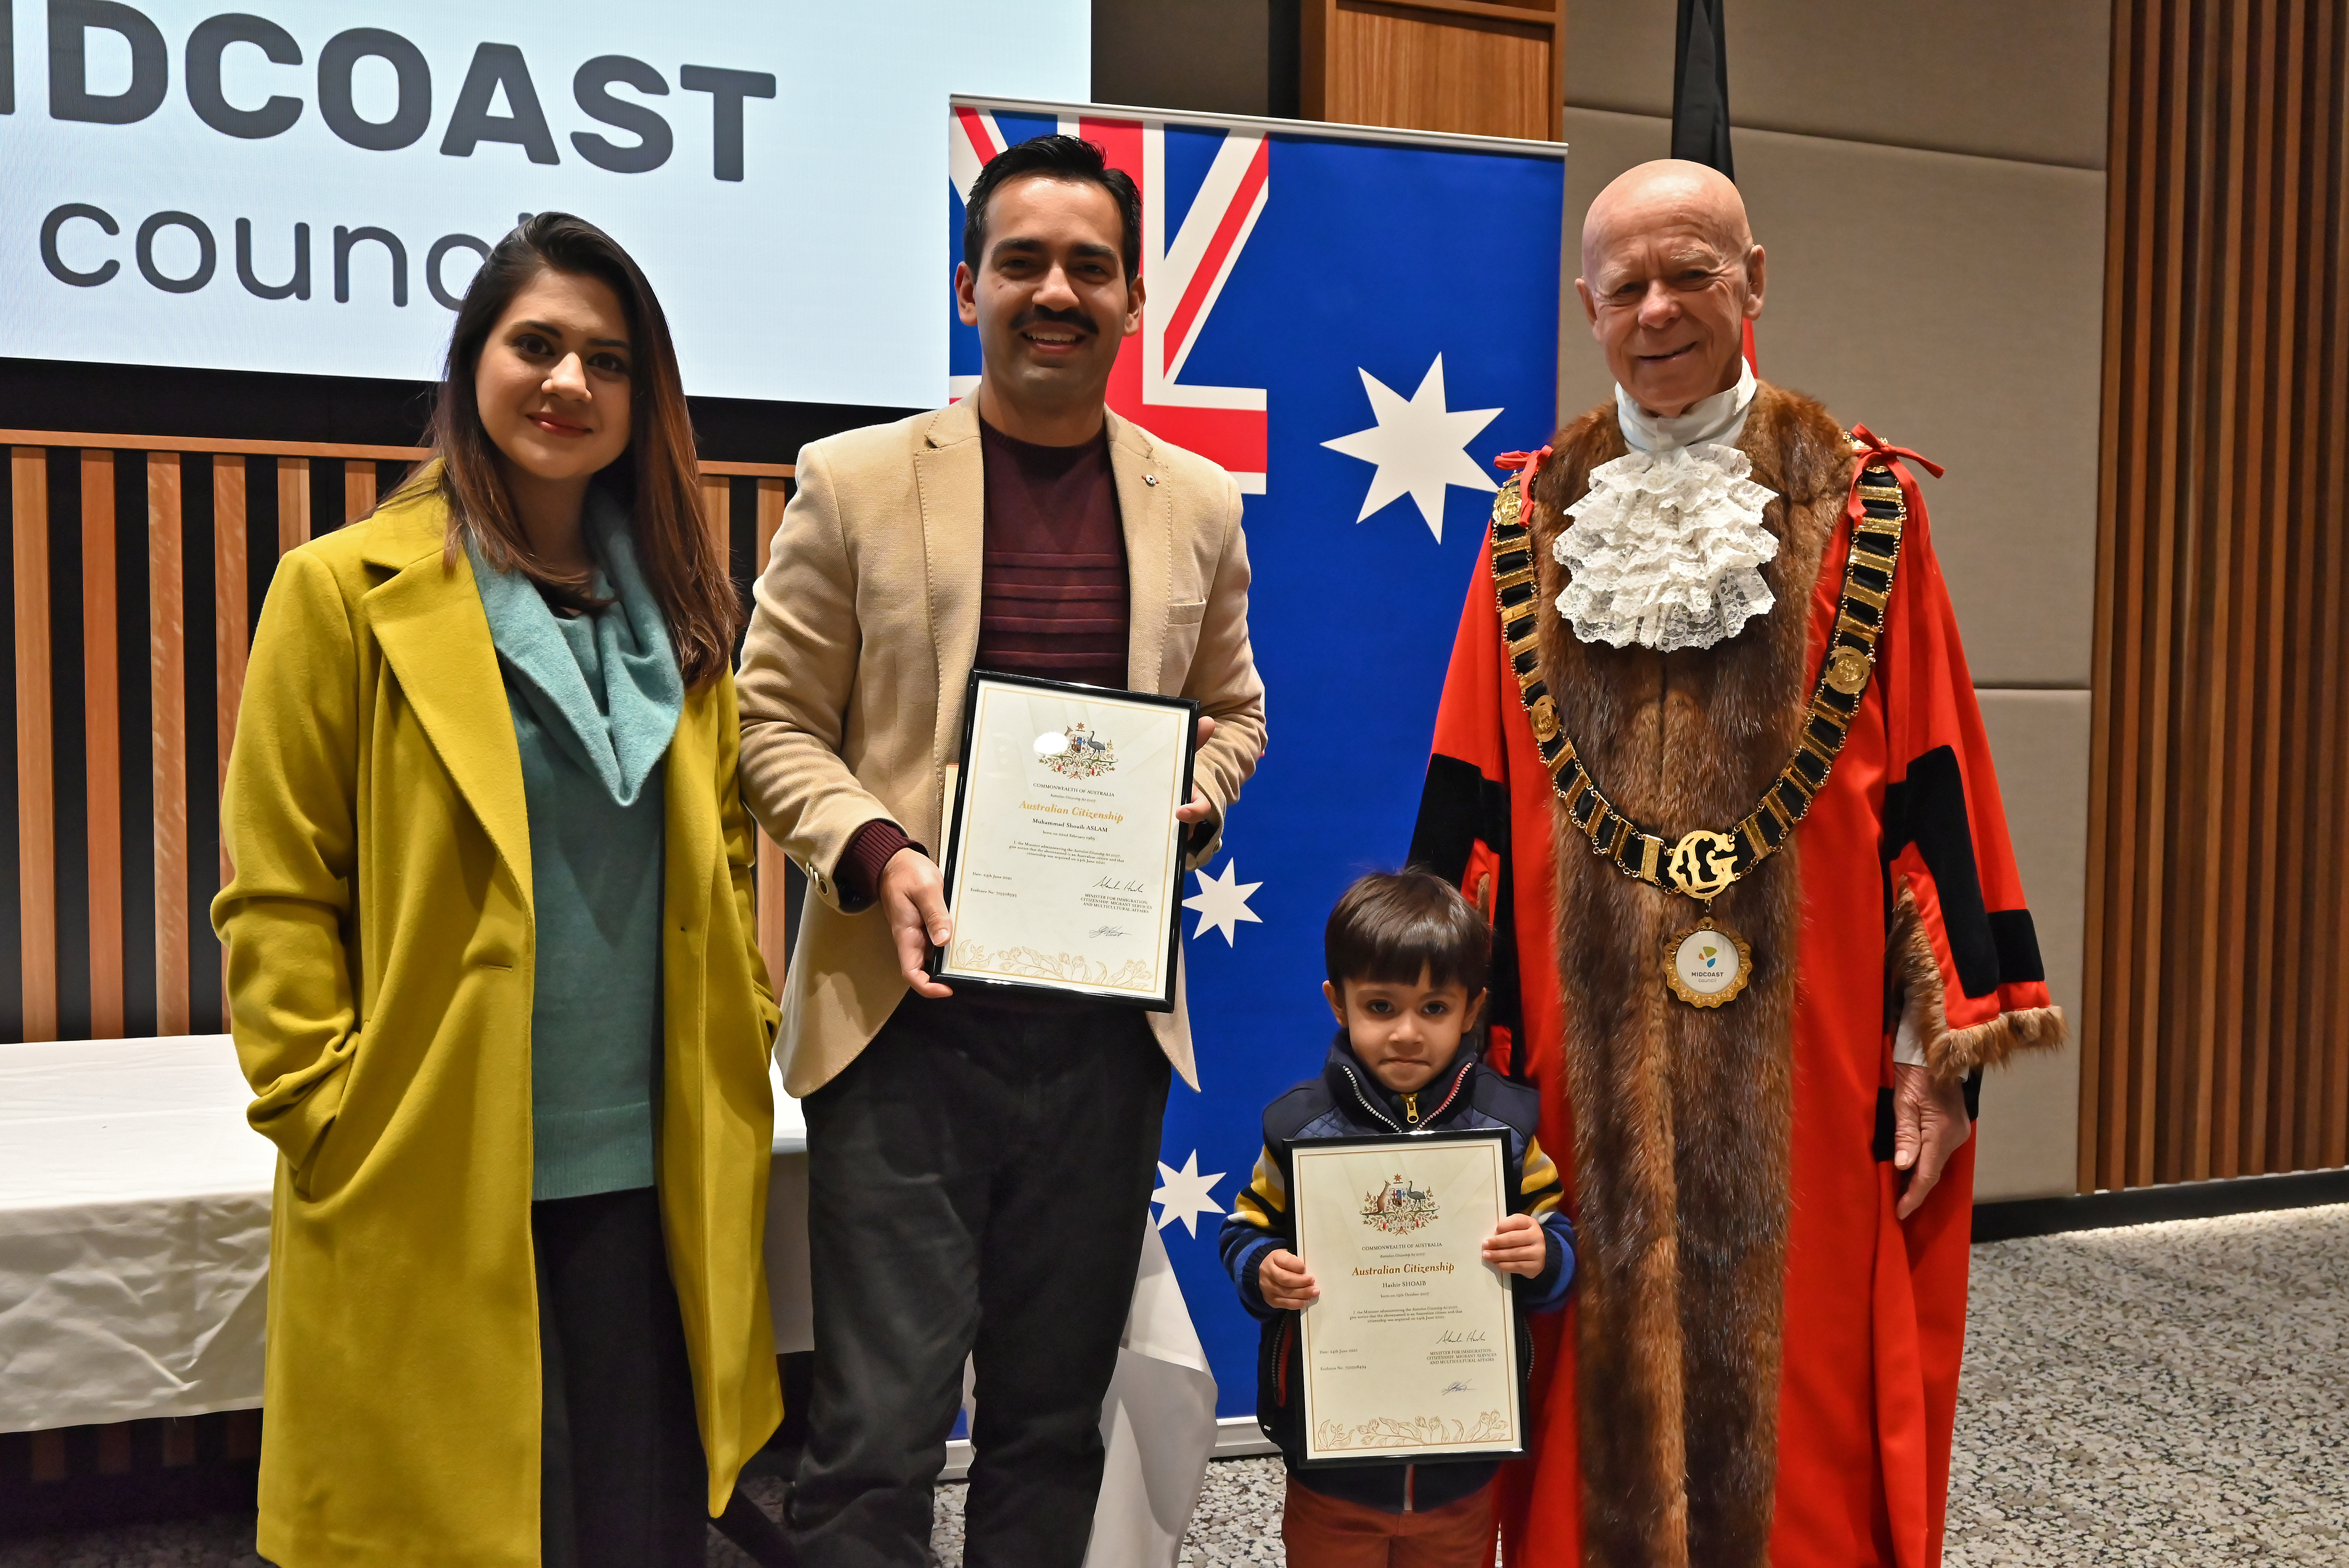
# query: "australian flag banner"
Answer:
x=1352 y=323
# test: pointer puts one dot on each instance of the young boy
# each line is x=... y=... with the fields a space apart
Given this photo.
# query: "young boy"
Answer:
x=1407 y=958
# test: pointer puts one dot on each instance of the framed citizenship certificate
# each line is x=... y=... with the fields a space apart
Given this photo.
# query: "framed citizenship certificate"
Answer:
x=1411 y=1352
x=1064 y=864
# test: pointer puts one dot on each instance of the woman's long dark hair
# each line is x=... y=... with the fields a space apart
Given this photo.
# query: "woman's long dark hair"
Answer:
x=653 y=480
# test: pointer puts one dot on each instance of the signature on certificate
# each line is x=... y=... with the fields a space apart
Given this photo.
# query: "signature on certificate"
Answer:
x=1456 y=1389
x=1454 y=1337
x=1106 y=930
x=1121 y=884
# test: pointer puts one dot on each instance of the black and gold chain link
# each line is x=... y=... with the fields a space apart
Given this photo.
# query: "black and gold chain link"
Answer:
x=1704 y=863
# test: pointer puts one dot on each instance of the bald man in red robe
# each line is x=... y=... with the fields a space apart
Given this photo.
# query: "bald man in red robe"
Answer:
x=1708 y=755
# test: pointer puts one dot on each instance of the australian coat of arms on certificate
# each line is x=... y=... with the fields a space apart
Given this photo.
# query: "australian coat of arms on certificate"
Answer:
x=1083 y=752
x=1398 y=1207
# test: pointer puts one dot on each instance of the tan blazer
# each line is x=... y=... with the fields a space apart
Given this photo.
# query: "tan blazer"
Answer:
x=852 y=676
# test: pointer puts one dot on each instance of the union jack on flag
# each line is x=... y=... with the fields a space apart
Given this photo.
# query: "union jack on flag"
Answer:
x=1184 y=266
x=1354 y=354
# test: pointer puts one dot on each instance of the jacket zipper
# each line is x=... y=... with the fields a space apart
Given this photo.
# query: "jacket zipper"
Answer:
x=1411 y=1101
x=1280 y=1356
x=1457 y=1079
x=1409 y=1474
x=1364 y=1101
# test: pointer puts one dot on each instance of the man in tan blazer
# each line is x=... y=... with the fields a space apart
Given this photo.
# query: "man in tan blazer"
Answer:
x=979 y=1167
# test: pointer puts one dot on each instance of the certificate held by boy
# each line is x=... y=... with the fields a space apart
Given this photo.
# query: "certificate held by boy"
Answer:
x=1708 y=755
x=1411 y=1351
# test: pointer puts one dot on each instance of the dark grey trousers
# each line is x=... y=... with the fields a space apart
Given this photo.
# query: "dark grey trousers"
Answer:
x=624 y=1481
x=977 y=1182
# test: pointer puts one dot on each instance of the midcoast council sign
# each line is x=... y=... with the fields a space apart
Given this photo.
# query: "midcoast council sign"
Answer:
x=308 y=186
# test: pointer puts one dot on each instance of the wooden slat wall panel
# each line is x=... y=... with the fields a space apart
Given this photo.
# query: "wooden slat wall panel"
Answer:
x=359 y=490
x=292 y=504
x=230 y=618
x=168 y=654
x=718 y=509
x=231 y=613
x=36 y=805
x=2217 y=1036
x=180 y=896
x=241 y=448
x=2322 y=1117
x=102 y=738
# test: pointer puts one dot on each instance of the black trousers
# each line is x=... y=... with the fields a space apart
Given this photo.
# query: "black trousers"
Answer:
x=624 y=1482
x=977 y=1182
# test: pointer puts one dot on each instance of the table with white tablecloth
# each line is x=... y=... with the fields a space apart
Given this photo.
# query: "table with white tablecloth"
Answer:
x=134 y=1231
x=134 y=1271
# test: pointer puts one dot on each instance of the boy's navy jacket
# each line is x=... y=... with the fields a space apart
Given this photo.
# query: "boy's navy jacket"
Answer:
x=1347 y=1101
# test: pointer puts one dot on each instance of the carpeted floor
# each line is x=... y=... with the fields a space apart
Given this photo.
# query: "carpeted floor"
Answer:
x=2163 y=1394
x=2172 y=1394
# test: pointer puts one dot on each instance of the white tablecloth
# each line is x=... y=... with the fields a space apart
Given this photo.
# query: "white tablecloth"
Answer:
x=134 y=1231
x=134 y=1266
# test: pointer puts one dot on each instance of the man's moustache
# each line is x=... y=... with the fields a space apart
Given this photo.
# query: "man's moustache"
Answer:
x=1077 y=320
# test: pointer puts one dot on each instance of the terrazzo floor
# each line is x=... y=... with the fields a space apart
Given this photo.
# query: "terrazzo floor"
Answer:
x=2173 y=1394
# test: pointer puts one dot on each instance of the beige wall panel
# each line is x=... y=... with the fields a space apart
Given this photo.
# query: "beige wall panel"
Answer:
x=1599 y=145
x=1952 y=305
x=2030 y=1124
x=1997 y=78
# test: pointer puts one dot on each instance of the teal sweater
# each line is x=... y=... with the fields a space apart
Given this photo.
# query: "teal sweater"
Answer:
x=595 y=700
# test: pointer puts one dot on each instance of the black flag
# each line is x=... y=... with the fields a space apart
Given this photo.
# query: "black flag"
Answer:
x=1700 y=87
x=1701 y=99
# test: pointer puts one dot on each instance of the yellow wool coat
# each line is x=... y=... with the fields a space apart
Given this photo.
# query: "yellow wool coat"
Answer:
x=381 y=957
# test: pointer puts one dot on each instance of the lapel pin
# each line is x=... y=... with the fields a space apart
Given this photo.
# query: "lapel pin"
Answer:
x=1150 y=478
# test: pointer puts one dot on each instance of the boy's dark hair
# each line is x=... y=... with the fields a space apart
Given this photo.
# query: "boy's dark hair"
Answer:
x=1394 y=927
x=1054 y=158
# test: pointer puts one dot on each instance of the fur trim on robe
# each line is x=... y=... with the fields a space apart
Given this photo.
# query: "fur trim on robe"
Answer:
x=1952 y=1054
x=1681 y=1114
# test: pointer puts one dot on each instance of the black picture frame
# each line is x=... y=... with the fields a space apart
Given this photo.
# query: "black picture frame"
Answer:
x=1518 y=1343
x=952 y=828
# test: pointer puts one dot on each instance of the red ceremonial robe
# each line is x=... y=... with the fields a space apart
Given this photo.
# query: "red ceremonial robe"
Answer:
x=1901 y=882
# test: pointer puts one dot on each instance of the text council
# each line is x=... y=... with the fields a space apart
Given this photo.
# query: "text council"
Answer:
x=191 y=229
x=497 y=102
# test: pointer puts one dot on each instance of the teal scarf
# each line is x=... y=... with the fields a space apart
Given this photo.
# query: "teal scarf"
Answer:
x=596 y=699
x=605 y=686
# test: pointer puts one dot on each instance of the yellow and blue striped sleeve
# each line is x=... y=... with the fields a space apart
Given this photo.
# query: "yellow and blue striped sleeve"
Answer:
x=1259 y=1223
x=1265 y=1196
x=1541 y=1190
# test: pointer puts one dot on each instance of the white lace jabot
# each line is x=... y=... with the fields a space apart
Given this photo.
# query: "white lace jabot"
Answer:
x=1665 y=547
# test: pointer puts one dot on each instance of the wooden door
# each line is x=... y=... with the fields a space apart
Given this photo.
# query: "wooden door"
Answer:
x=1436 y=65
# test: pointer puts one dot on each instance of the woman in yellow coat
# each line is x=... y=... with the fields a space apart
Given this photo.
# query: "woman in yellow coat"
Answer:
x=492 y=971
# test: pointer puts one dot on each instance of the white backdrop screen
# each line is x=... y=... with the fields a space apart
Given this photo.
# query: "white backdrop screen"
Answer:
x=307 y=186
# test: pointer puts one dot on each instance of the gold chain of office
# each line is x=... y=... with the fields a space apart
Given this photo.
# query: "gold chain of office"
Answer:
x=1703 y=863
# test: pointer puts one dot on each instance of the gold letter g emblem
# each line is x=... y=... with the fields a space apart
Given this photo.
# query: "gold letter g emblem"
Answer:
x=1703 y=863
